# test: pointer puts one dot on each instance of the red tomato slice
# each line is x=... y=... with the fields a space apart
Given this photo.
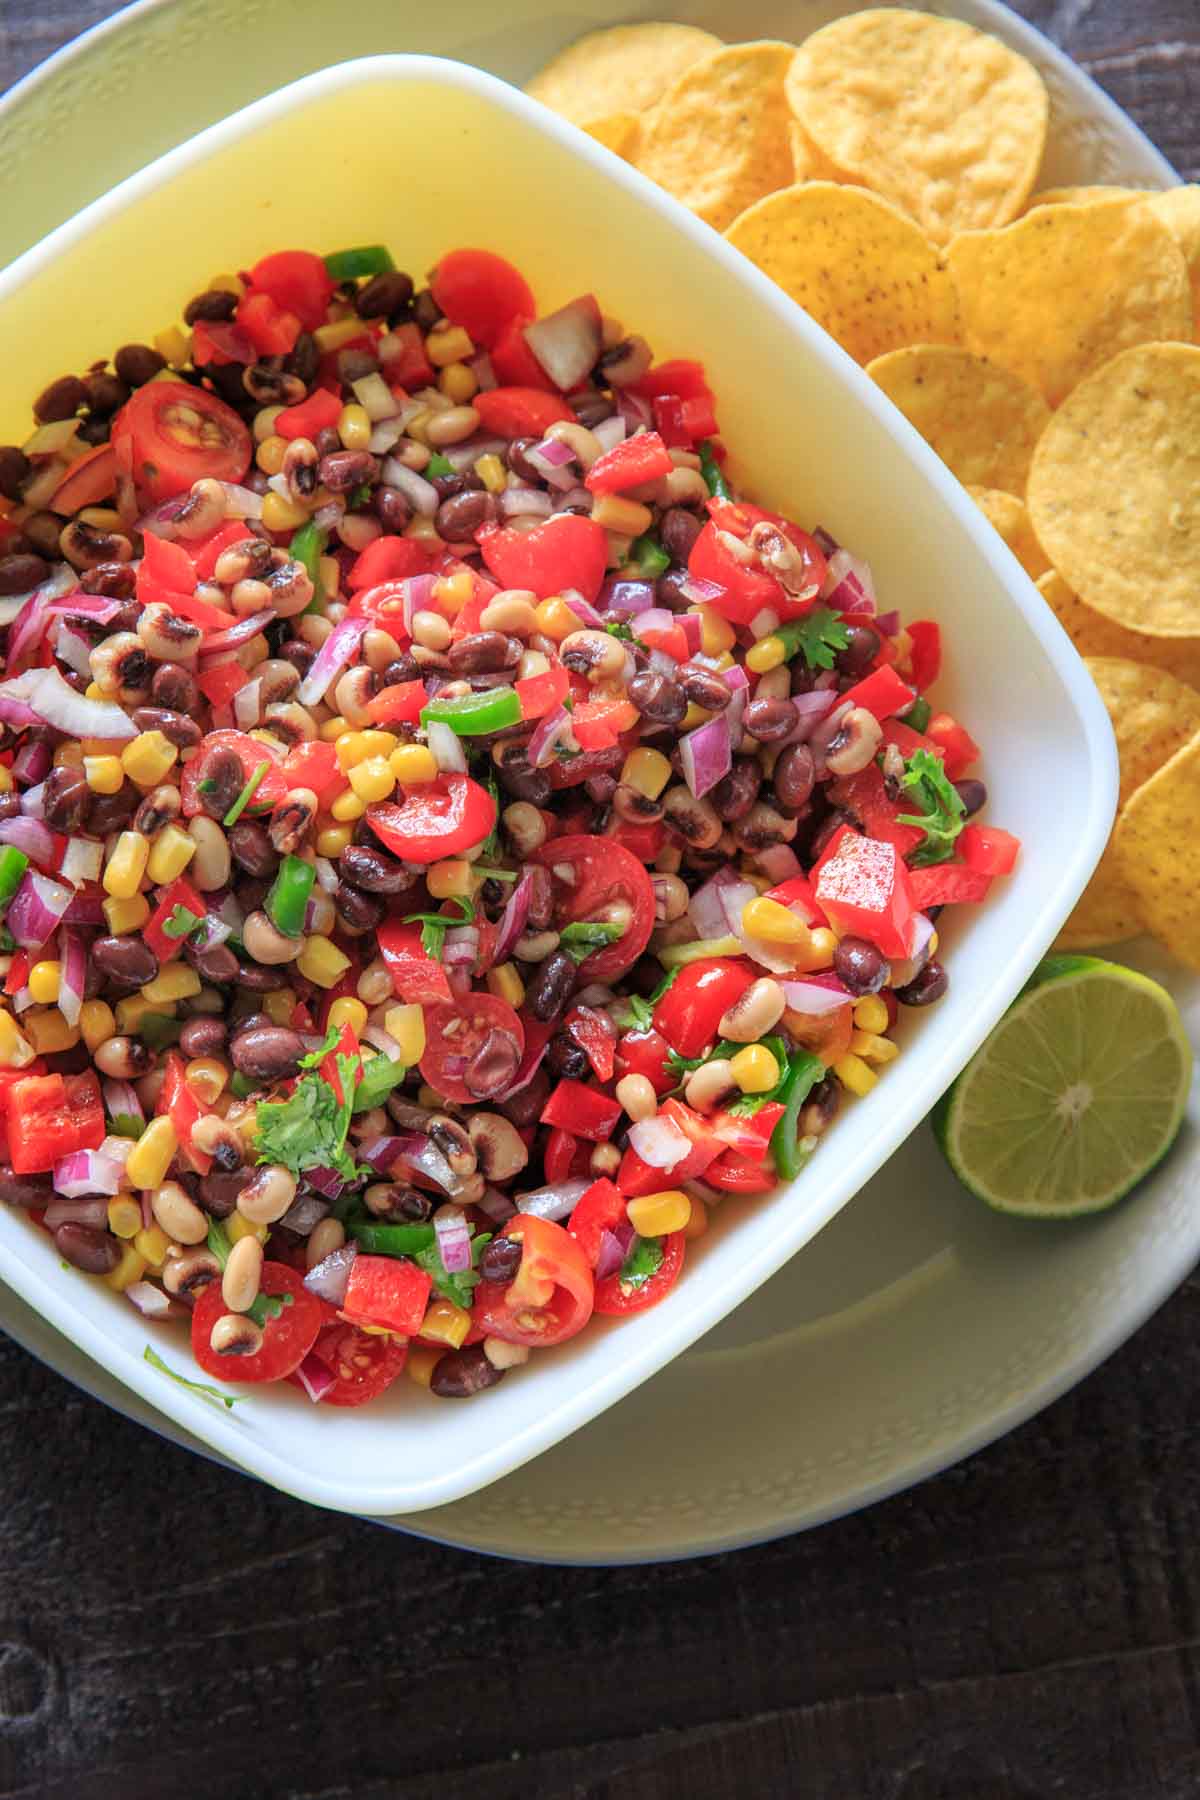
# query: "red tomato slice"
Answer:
x=551 y=1298
x=689 y=1012
x=736 y=1173
x=474 y=1019
x=613 y=1300
x=364 y=1362
x=451 y=814
x=602 y=1208
x=605 y=875
x=287 y=1340
x=168 y=435
x=271 y=788
x=520 y=411
x=481 y=292
x=297 y=281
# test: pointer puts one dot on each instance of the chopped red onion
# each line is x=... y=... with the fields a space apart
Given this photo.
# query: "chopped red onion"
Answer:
x=85 y=909
x=87 y=1172
x=514 y=917
x=689 y=624
x=121 y=1100
x=17 y=714
x=241 y=502
x=525 y=502
x=27 y=627
x=329 y=1280
x=385 y=437
x=87 y=606
x=35 y=909
x=481 y=368
x=556 y=1202
x=567 y=342
x=453 y=1239
x=764 y=623
x=610 y=432
x=315 y=1377
x=305 y=1214
x=415 y=1149
x=735 y=678
x=82 y=861
x=379 y=1039
x=328 y=879
x=706 y=755
x=416 y=594
x=583 y=609
x=887 y=624
x=33 y=836
x=336 y=653
x=461 y=946
x=497 y=1207
x=150 y=1301
x=625 y=597
x=73 y=649
x=813 y=998
x=699 y=591
x=329 y=516
x=211 y=931
x=553 y=451
x=734 y=896
x=73 y=975
x=22 y=1000
x=57 y=703
x=848 y=586
x=529 y=1065
x=779 y=862
x=633 y=410
x=655 y=618
x=550 y=731
x=811 y=709
x=659 y=1142
x=376 y=397
x=421 y=495
x=611 y=1255
x=32 y=764
x=116 y=1149
x=247 y=705
x=918 y=953
x=234 y=636
x=705 y=909
x=465 y=455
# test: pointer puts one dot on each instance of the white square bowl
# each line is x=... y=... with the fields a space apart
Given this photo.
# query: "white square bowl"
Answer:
x=424 y=155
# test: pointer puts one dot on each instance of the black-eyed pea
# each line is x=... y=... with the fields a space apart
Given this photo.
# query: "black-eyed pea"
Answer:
x=430 y=631
x=708 y=1085
x=266 y=1198
x=289 y=589
x=605 y=1159
x=380 y=649
x=326 y=1236
x=210 y=865
x=290 y=721
x=243 y=1273
x=511 y=612
x=856 y=743
x=178 y=1215
x=524 y=827
x=754 y=1013
x=583 y=444
x=356 y=688
x=235 y=1335
x=637 y=1095
x=671 y=898
x=203 y=510
x=190 y=1271
x=594 y=654
x=165 y=636
x=265 y=943
x=499 y=1149
x=693 y=819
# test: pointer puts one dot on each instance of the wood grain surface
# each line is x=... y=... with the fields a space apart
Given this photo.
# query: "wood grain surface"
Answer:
x=1025 y=1627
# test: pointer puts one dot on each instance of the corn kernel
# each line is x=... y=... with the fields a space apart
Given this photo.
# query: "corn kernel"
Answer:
x=126 y=864
x=348 y=1011
x=354 y=747
x=16 y=1052
x=321 y=961
x=768 y=653
x=104 y=518
x=506 y=984
x=151 y=1156
x=96 y=1023
x=237 y=1227
x=694 y=716
x=447 y=1323
x=754 y=1069
x=131 y=1268
x=341 y=331
x=423 y=530
x=133 y=1009
x=279 y=1005
x=348 y=807
x=124 y=1216
x=6 y=780
x=152 y=1244
x=854 y=1074
x=147 y=758
x=451 y=592
x=822 y=946
x=226 y=284
x=416 y=426
x=264 y=424
x=49 y=1032
x=490 y=471
x=125 y=915
x=279 y=514
x=333 y=840
x=873 y=1048
x=372 y=780
x=333 y=729
x=413 y=765
x=450 y=879
x=653 y=1215
x=170 y=854
x=270 y=454
x=103 y=774
x=871 y=1013
x=933 y=944
x=406 y=1023
x=554 y=619
x=354 y=427
x=206 y=1077
x=773 y=922
x=44 y=978
x=646 y=770
x=177 y=981
x=697 y=1223
x=612 y=512
x=175 y=345
x=329 y=570
x=716 y=633
x=423 y=1359
x=448 y=345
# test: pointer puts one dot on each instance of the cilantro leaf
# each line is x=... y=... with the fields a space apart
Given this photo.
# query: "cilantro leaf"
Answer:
x=619 y=629
x=641 y=1010
x=205 y=1391
x=817 y=637
x=460 y=1288
x=642 y=1260
x=670 y=976
x=491 y=844
x=379 y=1076
x=943 y=814
x=434 y=926
x=586 y=935
x=308 y=1129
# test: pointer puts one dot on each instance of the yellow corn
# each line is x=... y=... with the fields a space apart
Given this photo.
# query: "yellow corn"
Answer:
x=331 y=575
x=49 y=1032
x=646 y=770
x=279 y=1005
x=348 y=1011
x=226 y=284
x=96 y=1023
x=453 y=591
x=423 y=530
x=333 y=840
x=447 y=345
x=653 y=1215
x=933 y=944
x=236 y=1228
x=279 y=514
x=152 y=1244
x=870 y=1013
x=506 y=984
x=416 y=426
x=821 y=947
x=15 y=1050
x=321 y=961
x=126 y=864
x=406 y=1023
x=754 y=1069
x=717 y=635
x=334 y=728
x=697 y=1223
x=490 y=471
x=178 y=981
x=6 y=780
x=133 y=1009
x=873 y=1048
x=170 y=854
x=423 y=1359
x=413 y=765
x=270 y=454
x=448 y=1323
x=151 y=1156
x=348 y=807
x=554 y=619
x=695 y=715
x=354 y=426
x=264 y=424
x=768 y=653
x=773 y=922
x=147 y=758
x=342 y=331
x=175 y=345
x=124 y=1216
x=450 y=879
x=124 y=916
x=206 y=1077
x=372 y=780
x=354 y=747
x=612 y=512
x=44 y=978
x=103 y=774
x=458 y=383
x=854 y=1074
x=131 y=1268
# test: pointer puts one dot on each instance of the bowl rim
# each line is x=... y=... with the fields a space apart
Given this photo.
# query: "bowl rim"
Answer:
x=693 y=1311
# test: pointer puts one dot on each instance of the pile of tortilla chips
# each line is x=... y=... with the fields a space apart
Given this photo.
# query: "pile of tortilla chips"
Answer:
x=1043 y=343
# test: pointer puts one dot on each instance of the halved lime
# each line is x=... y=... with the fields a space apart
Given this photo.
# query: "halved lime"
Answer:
x=1075 y=1096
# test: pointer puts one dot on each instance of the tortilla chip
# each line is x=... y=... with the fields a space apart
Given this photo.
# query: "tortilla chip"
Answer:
x=625 y=68
x=718 y=140
x=619 y=132
x=1114 y=490
x=983 y=421
x=1011 y=520
x=1082 y=196
x=1157 y=850
x=940 y=119
x=1094 y=635
x=808 y=164
x=1179 y=210
x=1067 y=287
x=855 y=263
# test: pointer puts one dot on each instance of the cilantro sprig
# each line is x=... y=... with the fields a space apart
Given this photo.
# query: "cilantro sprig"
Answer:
x=817 y=637
x=308 y=1129
x=181 y=922
x=943 y=811
x=206 y=1392
x=458 y=1288
x=434 y=926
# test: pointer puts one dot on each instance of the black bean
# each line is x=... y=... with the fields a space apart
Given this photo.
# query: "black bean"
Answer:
x=973 y=795
x=106 y=393
x=15 y=470
x=405 y=668
x=862 y=968
x=770 y=721
x=551 y=986
x=219 y=1190
x=301 y=655
x=385 y=296
x=704 y=687
x=462 y=1373
x=517 y=458
x=358 y=910
x=460 y=517
x=414 y=1206
x=112 y=581
x=217 y=964
x=590 y=407
x=213 y=303
x=221 y=780
x=175 y=688
x=541 y=897
x=178 y=729
x=493 y=1065
x=374 y=870
x=66 y=799
x=347 y=469
x=928 y=985
x=500 y=1260
x=484 y=652
x=304 y=358
x=794 y=777
x=668 y=591
x=820 y=1109
x=657 y=697
x=138 y=363
x=95 y=1252
x=251 y=848
x=392 y=508
x=21 y=572
x=93 y=429
x=565 y=1059
x=43 y=529
x=518 y=778
x=112 y=812
x=678 y=530
x=204 y=1036
x=24 y=1190
x=860 y=652
x=525 y=1107
x=736 y=792
x=61 y=400
x=126 y=962
x=267 y=1052
x=425 y=310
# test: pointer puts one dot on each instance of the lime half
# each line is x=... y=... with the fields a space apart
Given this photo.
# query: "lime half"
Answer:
x=1076 y=1095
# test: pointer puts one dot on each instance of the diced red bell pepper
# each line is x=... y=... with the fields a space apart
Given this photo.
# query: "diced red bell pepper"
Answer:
x=219 y=685
x=635 y=1177
x=680 y=376
x=399 y=704
x=632 y=461
x=988 y=849
x=668 y=419
x=582 y=1110
x=315 y=765
x=387 y=1291
x=179 y=1103
x=906 y=740
x=417 y=979
x=540 y=694
x=594 y=1034
x=513 y=362
x=18 y=972
x=643 y=841
x=51 y=1116
x=749 y=1136
x=866 y=891
x=599 y=723
x=945 y=884
x=409 y=367
x=956 y=743
x=558 y=1157
x=699 y=416
x=864 y=796
x=319 y=412
x=881 y=693
x=271 y=329
x=165 y=565
x=671 y=639
x=705 y=1143
x=205 y=552
x=387 y=559
x=520 y=411
x=200 y=612
x=602 y=1208
x=331 y=1074
x=798 y=894
x=178 y=893
x=925 y=659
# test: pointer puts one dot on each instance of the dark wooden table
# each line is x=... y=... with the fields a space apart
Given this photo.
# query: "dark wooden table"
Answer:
x=1026 y=1627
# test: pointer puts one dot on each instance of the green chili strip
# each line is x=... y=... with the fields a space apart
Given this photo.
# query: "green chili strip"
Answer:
x=437 y=465
x=287 y=901
x=308 y=547
x=473 y=715
x=710 y=468
x=804 y=1072
x=391 y=1240
x=365 y=259
x=918 y=714
x=246 y=796
x=13 y=864
x=648 y=557
x=181 y=921
x=379 y=1076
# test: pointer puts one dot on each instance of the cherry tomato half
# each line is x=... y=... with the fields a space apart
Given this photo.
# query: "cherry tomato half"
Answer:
x=475 y=1019
x=605 y=875
x=297 y=281
x=549 y=1300
x=689 y=1012
x=644 y=1051
x=287 y=1340
x=168 y=435
x=614 y=1299
x=364 y=1362
x=450 y=814
x=481 y=292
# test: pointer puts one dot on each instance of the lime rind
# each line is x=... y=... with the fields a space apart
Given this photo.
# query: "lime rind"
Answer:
x=1077 y=1095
